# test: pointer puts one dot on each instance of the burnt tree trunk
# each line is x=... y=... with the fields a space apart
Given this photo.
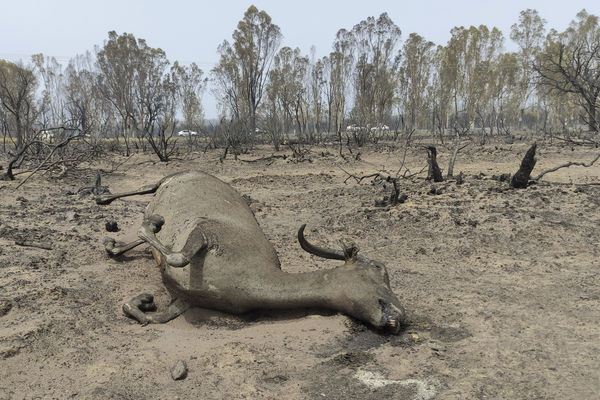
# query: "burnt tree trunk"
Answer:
x=434 y=172
x=520 y=180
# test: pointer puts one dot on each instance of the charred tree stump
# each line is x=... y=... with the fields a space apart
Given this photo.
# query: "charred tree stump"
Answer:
x=434 y=172
x=520 y=180
x=96 y=190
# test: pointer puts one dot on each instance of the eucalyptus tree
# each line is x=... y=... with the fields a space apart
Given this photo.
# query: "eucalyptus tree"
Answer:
x=506 y=79
x=132 y=78
x=486 y=45
x=286 y=84
x=470 y=55
x=17 y=96
x=117 y=65
x=569 y=64
x=441 y=90
x=191 y=85
x=414 y=77
x=339 y=65
x=242 y=72
x=528 y=33
x=271 y=120
x=316 y=90
x=377 y=62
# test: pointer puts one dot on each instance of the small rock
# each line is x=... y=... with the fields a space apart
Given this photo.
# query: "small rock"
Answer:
x=179 y=370
x=435 y=191
x=111 y=226
x=70 y=216
x=5 y=307
x=460 y=179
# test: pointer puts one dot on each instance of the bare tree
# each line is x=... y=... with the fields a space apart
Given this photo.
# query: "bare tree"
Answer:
x=160 y=122
x=86 y=107
x=53 y=101
x=570 y=64
x=17 y=89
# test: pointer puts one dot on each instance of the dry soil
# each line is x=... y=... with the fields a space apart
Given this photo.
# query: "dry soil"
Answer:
x=502 y=286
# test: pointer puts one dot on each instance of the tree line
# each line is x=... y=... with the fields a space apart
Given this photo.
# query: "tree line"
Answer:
x=372 y=85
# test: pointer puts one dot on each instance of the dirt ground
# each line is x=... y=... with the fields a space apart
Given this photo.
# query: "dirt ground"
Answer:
x=502 y=286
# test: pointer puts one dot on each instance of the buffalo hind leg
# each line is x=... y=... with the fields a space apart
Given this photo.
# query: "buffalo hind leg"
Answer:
x=138 y=307
x=196 y=242
x=109 y=198
x=148 y=189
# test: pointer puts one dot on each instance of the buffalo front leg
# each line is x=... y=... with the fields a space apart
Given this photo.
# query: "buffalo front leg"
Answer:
x=139 y=306
x=195 y=242
x=116 y=249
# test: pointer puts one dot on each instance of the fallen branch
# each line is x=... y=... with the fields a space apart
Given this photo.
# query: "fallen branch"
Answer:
x=56 y=147
x=359 y=179
x=567 y=165
x=575 y=142
x=269 y=158
x=32 y=244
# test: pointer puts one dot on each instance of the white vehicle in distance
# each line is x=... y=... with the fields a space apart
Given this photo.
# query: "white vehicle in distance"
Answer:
x=187 y=132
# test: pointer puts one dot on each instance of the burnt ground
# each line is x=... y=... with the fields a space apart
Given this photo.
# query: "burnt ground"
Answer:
x=502 y=286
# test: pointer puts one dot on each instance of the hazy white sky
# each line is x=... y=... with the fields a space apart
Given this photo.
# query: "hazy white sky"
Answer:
x=191 y=30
